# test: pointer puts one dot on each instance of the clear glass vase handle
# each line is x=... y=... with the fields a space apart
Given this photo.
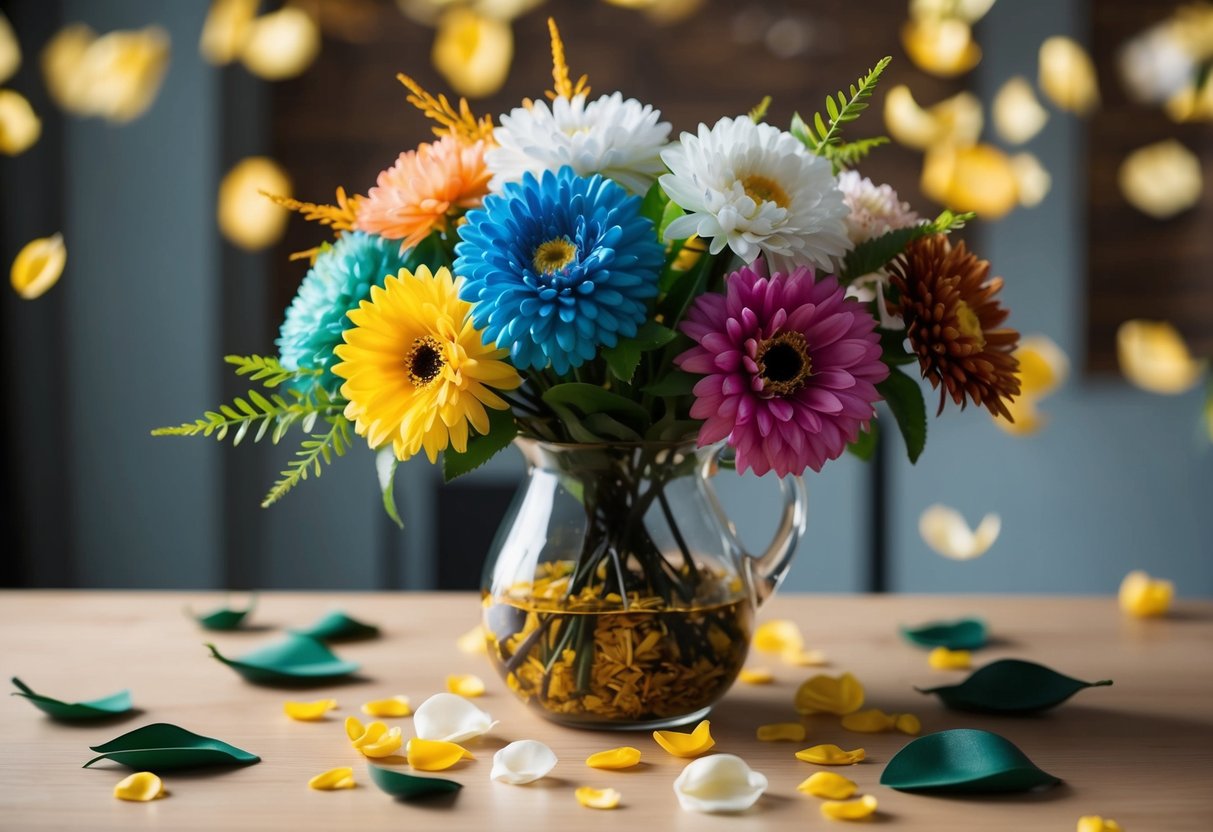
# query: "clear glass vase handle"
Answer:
x=765 y=572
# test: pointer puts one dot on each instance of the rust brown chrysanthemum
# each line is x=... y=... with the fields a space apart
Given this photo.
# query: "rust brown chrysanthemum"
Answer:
x=954 y=323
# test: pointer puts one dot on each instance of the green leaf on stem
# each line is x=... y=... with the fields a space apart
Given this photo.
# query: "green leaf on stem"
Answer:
x=624 y=357
x=873 y=255
x=385 y=469
x=865 y=445
x=904 y=398
x=685 y=288
x=673 y=383
x=481 y=448
x=893 y=347
x=589 y=398
x=669 y=213
x=654 y=203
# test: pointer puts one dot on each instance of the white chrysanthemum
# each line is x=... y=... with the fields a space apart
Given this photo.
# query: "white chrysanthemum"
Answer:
x=621 y=139
x=756 y=189
x=873 y=209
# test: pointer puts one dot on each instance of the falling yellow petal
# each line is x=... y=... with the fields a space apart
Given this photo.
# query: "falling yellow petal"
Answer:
x=10 y=50
x=1154 y=357
x=699 y=741
x=246 y=218
x=473 y=52
x=61 y=60
x=969 y=11
x=829 y=694
x=333 y=779
x=1032 y=179
x=615 y=758
x=226 y=30
x=870 y=721
x=473 y=641
x=777 y=636
x=597 y=798
x=1209 y=416
x=1043 y=367
x=309 y=711
x=1094 y=823
x=978 y=178
x=1161 y=179
x=803 y=658
x=941 y=658
x=392 y=707
x=907 y=724
x=849 y=809
x=20 y=126
x=1018 y=116
x=465 y=684
x=116 y=76
x=829 y=785
x=755 y=676
x=945 y=530
x=435 y=755
x=1191 y=104
x=281 y=44
x=1145 y=597
x=781 y=732
x=955 y=121
x=1067 y=75
x=942 y=47
x=830 y=755
x=141 y=786
x=38 y=266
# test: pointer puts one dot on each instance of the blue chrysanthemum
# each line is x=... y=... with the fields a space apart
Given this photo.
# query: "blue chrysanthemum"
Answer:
x=341 y=277
x=558 y=267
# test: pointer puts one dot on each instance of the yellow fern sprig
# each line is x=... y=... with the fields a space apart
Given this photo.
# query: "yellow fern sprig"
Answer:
x=341 y=216
x=562 y=87
x=460 y=123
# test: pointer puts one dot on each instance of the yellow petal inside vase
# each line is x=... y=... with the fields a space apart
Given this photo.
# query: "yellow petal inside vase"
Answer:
x=38 y=266
x=699 y=741
x=141 y=786
x=391 y=708
x=830 y=755
x=849 y=809
x=309 y=711
x=435 y=755
x=615 y=758
x=333 y=779
x=597 y=798
x=829 y=785
x=781 y=732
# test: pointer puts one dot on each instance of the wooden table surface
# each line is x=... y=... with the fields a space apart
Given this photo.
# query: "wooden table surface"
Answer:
x=1140 y=751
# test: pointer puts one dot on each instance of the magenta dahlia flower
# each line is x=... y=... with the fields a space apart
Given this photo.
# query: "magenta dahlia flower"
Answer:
x=790 y=368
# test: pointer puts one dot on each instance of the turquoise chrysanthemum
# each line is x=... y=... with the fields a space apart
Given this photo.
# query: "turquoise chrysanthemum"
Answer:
x=558 y=267
x=341 y=277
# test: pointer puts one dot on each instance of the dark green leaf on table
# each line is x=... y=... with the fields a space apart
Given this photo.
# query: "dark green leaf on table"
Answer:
x=904 y=398
x=962 y=634
x=481 y=447
x=162 y=746
x=293 y=660
x=223 y=618
x=410 y=786
x=1011 y=686
x=337 y=626
x=963 y=760
x=103 y=708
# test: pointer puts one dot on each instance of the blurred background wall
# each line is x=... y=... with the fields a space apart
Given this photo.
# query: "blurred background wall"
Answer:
x=153 y=297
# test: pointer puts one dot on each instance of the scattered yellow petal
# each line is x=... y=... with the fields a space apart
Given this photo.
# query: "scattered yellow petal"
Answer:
x=944 y=529
x=871 y=721
x=1032 y=179
x=803 y=658
x=780 y=731
x=354 y=728
x=10 y=50
x=1043 y=367
x=1094 y=823
x=385 y=743
x=829 y=694
x=226 y=30
x=309 y=711
x=473 y=641
x=756 y=676
x=1018 y=116
x=941 y=658
x=465 y=684
x=830 y=755
x=777 y=636
x=20 y=126
x=1161 y=179
x=849 y=809
x=435 y=755
x=1145 y=597
x=1067 y=75
x=956 y=121
x=38 y=266
x=246 y=218
x=597 y=798
x=615 y=758
x=907 y=724
x=141 y=786
x=978 y=178
x=473 y=52
x=392 y=707
x=829 y=785
x=1154 y=357
x=281 y=44
x=942 y=47
x=1191 y=104
x=699 y=741
x=333 y=779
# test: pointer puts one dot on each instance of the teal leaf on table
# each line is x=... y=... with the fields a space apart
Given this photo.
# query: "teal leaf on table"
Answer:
x=962 y=634
x=1011 y=686
x=337 y=626
x=295 y=659
x=223 y=618
x=410 y=786
x=103 y=708
x=963 y=760
x=162 y=746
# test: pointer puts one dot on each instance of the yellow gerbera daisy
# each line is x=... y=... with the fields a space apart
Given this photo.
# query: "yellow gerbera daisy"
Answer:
x=417 y=371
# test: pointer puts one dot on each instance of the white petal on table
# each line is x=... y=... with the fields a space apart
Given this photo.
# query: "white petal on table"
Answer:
x=719 y=783
x=521 y=762
x=451 y=718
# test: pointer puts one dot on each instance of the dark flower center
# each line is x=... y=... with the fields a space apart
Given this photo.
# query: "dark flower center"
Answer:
x=783 y=363
x=424 y=361
x=554 y=255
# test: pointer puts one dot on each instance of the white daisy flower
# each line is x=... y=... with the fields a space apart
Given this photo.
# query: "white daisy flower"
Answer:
x=621 y=139
x=756 y=189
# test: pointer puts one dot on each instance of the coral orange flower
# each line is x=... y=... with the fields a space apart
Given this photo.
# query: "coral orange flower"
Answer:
x=419 y=193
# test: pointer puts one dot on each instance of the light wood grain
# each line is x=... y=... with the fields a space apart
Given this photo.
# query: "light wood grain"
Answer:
x=1140 y=751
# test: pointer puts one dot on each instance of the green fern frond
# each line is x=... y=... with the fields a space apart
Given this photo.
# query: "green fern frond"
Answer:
x=266 y=369
x=274 y=415
x=759 y=112
x=849 y=154
x=873 y=255
x=840 y=109
x=316 y=451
